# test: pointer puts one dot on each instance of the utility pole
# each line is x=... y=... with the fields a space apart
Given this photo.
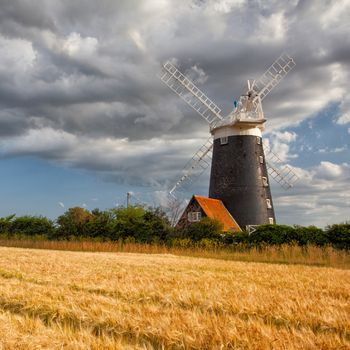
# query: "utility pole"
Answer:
x=128 y=195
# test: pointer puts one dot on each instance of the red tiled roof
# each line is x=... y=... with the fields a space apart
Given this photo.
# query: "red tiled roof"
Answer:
x=215 y=209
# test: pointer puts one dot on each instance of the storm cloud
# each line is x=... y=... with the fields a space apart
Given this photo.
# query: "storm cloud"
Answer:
x=79 y=79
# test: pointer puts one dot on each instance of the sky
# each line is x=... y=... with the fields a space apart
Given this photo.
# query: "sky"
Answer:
x=84 y=117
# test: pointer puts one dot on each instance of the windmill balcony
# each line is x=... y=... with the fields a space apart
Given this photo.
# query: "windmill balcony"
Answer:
x=248 y=116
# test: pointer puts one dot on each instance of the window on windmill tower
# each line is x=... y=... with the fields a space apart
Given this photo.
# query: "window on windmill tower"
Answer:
x=264 y=181
x=268 y=203
x=261 y=159
x=194 y=216
x=258 y=140
x=271 y=221
x=224 y=140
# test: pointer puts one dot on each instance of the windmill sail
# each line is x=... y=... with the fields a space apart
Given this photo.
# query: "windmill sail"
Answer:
x=285 y=176
x=195 y=167
x=190 y=93
x=276 y=72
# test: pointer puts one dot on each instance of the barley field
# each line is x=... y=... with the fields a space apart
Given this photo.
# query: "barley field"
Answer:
x=86 y=300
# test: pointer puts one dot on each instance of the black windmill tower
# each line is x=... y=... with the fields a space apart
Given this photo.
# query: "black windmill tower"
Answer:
x=240 y=167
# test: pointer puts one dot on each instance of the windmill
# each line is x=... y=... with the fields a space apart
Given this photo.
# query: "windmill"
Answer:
x=240 y=168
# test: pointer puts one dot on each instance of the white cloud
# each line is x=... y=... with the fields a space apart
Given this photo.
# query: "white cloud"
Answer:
x=344 y=118
x=339 y=149
x=334 y=150
x=342 y=79
x=137 y=39
x=226 y=6
x=76 y=46
x=334 y=15
x=272 y=28
x=320 y=197
x=329 y=171
x=306 y=95
x=279 y=144
x=43 y=140
x=115 y=157
x=285 y=136
x=197 y=75
x=16 y=55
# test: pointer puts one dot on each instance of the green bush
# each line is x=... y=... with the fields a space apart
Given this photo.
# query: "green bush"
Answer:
x=181 y=242
x=206 y=228
x=283 y=234
x=273 y=234
x=236 y=238
x=207 y=243
x=5 y=223
x=145 y=225
x=311 y=235
x=31 y=226
x=339 y=235
x=99 y=226
x=157 y=225
x=128 y=222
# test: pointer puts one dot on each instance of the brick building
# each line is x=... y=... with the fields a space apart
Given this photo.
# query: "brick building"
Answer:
x=200 y=207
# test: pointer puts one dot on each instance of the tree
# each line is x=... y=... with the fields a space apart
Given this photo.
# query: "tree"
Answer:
x=339 y=235
x=128 y=222
x=144 y=225
x=173 y=210
x=5 y=223
x=32 y=225
x=99 y=225
x=72 y=222
x=157 y=225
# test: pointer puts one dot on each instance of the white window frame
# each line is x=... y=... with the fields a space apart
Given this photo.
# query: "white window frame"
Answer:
x=271 y=221
x=194 y=216
x=224 y=140
x=264 y=181
x=258 y=140
x=268 y=203
x=261 y=159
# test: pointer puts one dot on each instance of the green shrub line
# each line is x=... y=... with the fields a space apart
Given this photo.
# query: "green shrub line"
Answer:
x=150 y=225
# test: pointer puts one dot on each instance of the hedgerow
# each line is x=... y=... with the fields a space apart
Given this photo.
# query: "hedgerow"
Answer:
x=150 y=225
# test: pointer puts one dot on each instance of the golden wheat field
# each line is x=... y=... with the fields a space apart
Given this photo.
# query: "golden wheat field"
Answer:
x=80 y=300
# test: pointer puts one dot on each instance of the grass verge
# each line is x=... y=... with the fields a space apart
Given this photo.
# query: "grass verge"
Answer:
x=284 y=254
